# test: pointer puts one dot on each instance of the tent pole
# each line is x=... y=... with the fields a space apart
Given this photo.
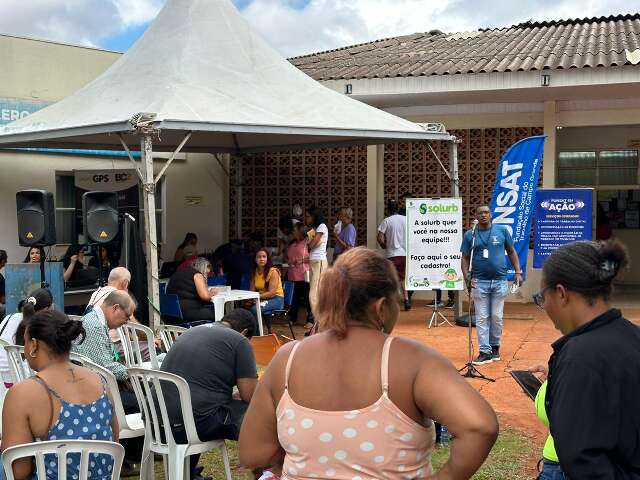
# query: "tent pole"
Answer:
x=455 y=193
x=238 y=187
x=150 y=236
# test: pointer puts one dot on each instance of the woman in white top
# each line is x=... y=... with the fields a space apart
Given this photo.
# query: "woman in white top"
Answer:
x=318 y=234
x=40 y=299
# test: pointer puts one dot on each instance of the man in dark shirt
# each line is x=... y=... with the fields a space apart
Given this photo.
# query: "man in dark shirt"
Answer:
x=214 y=358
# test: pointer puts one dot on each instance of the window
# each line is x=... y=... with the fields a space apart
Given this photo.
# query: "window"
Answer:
x=596 y=168
x=577 y=168
x=69 y=222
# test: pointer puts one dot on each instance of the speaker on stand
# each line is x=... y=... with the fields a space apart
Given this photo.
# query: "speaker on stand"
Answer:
x=100 y=220
x=36 y=222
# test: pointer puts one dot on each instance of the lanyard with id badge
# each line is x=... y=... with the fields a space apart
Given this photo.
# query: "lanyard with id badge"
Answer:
x=485 y=243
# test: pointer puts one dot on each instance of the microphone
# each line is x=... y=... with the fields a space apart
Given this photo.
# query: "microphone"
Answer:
x=474 y=224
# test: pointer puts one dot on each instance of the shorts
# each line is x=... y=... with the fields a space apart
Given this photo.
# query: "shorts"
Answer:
x=400 y=264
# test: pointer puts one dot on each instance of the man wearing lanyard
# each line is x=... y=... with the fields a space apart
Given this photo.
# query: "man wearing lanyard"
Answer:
x=487 y=280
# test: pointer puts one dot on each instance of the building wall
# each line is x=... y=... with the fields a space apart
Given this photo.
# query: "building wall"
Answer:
x=48 y=71
x=273 y=182
x=200 y=175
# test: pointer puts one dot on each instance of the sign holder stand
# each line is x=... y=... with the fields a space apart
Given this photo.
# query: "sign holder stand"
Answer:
x=437 y=318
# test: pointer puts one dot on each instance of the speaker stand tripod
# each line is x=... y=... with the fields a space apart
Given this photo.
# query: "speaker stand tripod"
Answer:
x=437 y=318
x=469 y=370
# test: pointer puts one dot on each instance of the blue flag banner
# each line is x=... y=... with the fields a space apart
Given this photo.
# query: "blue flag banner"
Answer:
x=514 y=194
x=563 y=215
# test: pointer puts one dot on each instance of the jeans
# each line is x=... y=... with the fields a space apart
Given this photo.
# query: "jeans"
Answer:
x=551 y=471
x=275 y=303
x=488 y=296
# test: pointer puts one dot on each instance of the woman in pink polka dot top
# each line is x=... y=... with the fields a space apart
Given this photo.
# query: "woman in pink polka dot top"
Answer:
x=353 y=403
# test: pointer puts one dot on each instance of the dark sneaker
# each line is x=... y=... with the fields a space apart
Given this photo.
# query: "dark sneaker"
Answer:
x=407 y=305
x=450 y=303
x=483 y=358
x=495 y=354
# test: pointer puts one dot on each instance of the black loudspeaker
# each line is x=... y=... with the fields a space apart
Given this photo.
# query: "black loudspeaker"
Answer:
x=36 y=218
x=100 y=216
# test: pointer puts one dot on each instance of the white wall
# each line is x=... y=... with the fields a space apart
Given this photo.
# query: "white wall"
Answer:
x=200 y=175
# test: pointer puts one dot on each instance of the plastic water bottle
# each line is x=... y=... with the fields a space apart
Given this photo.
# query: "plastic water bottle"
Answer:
x=445 y=436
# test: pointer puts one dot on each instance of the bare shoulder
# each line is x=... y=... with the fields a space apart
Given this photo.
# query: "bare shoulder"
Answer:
x=416 y=353
x=28 y=389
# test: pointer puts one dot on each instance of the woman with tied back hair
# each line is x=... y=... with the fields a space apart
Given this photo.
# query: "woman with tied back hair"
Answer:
x=593 y=387
x=62 y=401
x=12 y=327
x=353 y=402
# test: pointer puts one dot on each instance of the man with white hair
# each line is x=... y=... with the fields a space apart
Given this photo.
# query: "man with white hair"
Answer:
x=119 y=279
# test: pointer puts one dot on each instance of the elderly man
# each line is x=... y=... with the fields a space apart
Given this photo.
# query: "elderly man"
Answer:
x=119 y=279
x=111 y=312
x=114 y=310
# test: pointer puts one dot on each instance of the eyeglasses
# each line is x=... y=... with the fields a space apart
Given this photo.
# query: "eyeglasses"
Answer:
x=538 y=297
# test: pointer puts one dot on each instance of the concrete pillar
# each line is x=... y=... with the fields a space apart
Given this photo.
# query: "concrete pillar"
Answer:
x=380 y=192
x=374 y=177
x=549 y=159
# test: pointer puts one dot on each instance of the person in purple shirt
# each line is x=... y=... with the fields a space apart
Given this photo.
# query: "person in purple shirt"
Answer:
x=346 y=237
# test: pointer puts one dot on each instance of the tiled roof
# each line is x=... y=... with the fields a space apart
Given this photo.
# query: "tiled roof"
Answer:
x=594 y=42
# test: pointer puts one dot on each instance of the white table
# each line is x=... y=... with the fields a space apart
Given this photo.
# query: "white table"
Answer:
x=222 y=298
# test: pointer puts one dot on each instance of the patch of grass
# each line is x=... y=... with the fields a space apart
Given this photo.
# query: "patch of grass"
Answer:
x=507 y=460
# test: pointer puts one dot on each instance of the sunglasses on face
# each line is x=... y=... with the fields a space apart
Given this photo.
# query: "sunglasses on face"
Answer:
x=538 y=297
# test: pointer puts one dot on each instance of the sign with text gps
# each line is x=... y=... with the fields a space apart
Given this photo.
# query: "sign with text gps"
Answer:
x=434 y=235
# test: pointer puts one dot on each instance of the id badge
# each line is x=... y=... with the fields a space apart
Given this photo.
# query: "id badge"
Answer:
x=485 y=253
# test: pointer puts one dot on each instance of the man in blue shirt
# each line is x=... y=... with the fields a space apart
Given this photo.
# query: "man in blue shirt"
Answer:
x=487 y=280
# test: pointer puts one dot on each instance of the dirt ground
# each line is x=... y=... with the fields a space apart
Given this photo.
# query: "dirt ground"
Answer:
x=526 y=341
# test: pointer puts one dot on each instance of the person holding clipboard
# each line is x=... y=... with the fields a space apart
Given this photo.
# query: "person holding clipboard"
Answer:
x=487 y=281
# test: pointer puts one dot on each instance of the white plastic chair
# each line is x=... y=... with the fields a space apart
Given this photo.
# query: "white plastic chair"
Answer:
x=61 y=448
x=79 y=358
x=147 y=385
x=131 y=425
x=3 y=389
x=131 y=345
x=169 y=334
x=18 y=363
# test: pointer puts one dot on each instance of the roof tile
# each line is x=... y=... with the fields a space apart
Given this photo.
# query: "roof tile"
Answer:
x=563 y=44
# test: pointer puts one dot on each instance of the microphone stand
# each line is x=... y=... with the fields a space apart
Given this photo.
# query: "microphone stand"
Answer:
x=469 y=370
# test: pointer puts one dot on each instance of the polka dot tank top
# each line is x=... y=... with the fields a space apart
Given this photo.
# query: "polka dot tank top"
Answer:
x=376 y=442
x=80 y=421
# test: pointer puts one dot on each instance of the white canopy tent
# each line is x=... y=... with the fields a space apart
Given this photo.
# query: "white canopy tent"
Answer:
x=200 y=80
